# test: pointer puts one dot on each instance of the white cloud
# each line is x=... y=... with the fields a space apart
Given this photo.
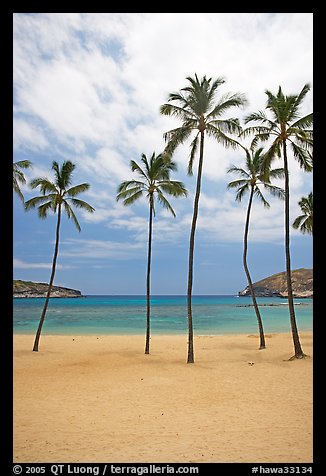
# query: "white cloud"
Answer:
x=28 y=136
x=100 y=249
x=20 y=264
x=90 y=86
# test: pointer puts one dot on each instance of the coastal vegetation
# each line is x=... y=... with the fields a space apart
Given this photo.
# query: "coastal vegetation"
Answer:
x=155 y=182
x=285 y=126
x=304 y=222
x=56 y=197
x=252 y=177
x=200 y=112
x=19 y=177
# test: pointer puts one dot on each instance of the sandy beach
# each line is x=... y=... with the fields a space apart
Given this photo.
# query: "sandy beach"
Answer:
x=100 y=399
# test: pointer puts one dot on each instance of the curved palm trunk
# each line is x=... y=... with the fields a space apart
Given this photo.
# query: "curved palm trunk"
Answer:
x=39 y=329
x=245 y=248
x=148 y=281
x=298 y=353
x=191 y=357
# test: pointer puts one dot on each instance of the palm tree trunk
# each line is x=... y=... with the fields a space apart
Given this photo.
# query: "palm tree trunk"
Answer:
x=298 y=353
x=39 y=329
x=191 y=357
x=245 y=248
x=148 y=281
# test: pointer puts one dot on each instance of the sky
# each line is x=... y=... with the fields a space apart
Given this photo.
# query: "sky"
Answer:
x=87 y=87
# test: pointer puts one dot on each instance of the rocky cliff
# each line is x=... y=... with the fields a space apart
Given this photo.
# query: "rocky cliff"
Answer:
x=28 y=289
x=275 y=285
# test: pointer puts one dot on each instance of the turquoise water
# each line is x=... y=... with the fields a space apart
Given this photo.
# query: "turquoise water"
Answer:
x=127 y=315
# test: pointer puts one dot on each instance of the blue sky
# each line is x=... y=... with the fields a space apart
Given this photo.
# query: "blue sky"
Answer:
x=88 y=87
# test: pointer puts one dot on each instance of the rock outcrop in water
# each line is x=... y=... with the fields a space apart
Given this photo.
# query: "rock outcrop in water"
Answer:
x=29 y=289
x=275 y=285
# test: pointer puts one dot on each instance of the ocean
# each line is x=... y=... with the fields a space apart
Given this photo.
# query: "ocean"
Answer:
x=212 y=315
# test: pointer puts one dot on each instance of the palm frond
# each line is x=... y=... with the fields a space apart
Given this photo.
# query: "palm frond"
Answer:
x=174 y=138
x=63 y=174
x=298 y=221
x=71 y=214
x=238 y=170
x=167 y=165
x=222 y=138
x=82 y=204
x=36 y=201
x=230 y=126
x=172 y=187
x=261 y=131
x=164 y=202
x=136 y=167
x=238 y=183
x=241 y=192
x=130 y=185
x=260 y=116
x=273 y=152
x=304 y=223
x=304 y=122
x=18 y=176
x=159 y=169
x=129 y=200
x=302 y=156
x=300 y=97
x=23 y=164
x=275 y=191
x=16 y=189
x=304 y=138
x=46 y=186
x=44 y=209
x=148 y=164
x=261 y=197
x=226 y=102
x=276 y=173
x=260 y=138
x=77 y=189
x=178 y=112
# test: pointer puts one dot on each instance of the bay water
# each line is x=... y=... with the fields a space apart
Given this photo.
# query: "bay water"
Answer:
x=212 y=315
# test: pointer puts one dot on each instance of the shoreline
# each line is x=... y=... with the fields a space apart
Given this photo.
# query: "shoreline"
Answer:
x=99 y=398
x=158 y=334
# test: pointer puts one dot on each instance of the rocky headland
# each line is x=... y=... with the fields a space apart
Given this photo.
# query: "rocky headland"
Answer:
x=275 y=285
x=29 y=289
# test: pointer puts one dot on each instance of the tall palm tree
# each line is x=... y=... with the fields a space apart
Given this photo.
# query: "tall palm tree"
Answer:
x=155 y=182
x=19 y=177
x=305 y=221
x=55 y=198
x=286 y=126
x=252 y=177
x=200 y=111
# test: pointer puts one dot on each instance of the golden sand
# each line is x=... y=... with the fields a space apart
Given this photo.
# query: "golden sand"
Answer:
x=101 y=399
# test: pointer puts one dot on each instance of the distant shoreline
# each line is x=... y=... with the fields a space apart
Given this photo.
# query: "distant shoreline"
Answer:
x=163 y=295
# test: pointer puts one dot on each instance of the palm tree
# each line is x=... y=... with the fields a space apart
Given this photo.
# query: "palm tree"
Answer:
x=200 y=112
x=19 y=177
x=54 y=198
x=155 y=181
x=286 y=126
x=305 y=221
x=252 y=177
